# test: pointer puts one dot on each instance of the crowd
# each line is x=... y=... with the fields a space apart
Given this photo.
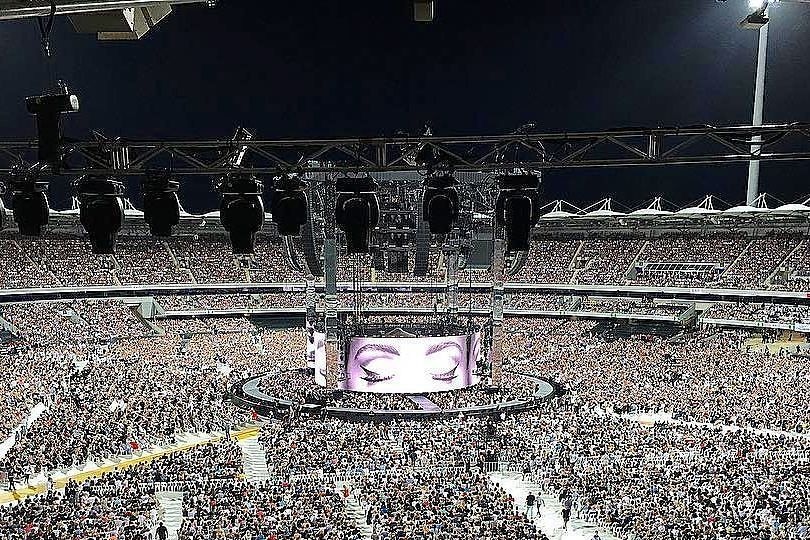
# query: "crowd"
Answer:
x=126 y=394
x=630 y=306
x=705 y=376
x=110 y=386
x=774 y=261
x=434 y=504
x=772 y=313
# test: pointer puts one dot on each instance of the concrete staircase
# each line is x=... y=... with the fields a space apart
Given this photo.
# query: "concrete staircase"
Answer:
x=254 y=461
x=170 y=504
x=354 y=510
x=549 y=520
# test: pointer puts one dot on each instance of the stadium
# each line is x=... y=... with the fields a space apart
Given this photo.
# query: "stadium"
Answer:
x=397 y=337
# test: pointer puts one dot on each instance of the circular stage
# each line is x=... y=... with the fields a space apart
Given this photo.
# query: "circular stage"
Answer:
x=251 y=394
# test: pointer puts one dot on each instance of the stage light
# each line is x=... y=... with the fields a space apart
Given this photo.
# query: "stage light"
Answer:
x=357 y=211
x=758 y=16
x=161 y=207
x=440 y=204
x=101 y=211
x=29 y=203
x=48 y=109
x=289 y=205
x=242 y=211
x=518 y=208
x=423 y=10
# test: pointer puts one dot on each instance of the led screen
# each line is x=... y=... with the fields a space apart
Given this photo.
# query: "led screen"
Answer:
x=410 y=365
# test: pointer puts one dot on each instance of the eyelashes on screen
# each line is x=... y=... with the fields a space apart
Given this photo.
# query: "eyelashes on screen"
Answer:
x=448 y=375
x=374 y=377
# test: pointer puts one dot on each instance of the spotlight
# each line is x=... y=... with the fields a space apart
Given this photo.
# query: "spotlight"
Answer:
x=29 y=203
x=161 y=207
x=357 y=211
x=101 y=211
x=423 y=10
x=48 y=109
x=517 y=208
x=440 y=203
x=289 y=205
x=242 y=211
x=758 y=16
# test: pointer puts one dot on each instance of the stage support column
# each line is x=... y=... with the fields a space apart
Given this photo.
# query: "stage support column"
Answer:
x=496 y=357
x=451 y=282
x=330 y=276
x=311 y=300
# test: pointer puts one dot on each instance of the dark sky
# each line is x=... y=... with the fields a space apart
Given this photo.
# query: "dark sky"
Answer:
x=363 y=67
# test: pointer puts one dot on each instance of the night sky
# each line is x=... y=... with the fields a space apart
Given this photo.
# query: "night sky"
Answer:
x=363 y=68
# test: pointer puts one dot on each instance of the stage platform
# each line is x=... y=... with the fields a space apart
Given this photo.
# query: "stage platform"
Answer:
x=248 y=394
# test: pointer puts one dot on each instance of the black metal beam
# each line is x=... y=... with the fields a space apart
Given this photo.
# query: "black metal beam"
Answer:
x=537 y=152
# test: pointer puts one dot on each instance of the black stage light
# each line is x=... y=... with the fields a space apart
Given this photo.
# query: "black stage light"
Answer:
x=29 y=203
x=242 y=211
x=357 y=211
x=289 y=205
x=426 y=156
x=440 y=204
x=518 y=208
x=161 y=207
x=101 y=211
x=48 y=109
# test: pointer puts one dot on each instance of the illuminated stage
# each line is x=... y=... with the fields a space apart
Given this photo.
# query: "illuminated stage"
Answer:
x=249 y=394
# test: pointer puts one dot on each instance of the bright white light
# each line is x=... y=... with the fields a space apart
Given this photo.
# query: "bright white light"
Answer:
x=759 y=4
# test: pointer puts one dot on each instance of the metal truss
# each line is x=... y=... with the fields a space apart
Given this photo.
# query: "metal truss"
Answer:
x=499 y=153
x=22 y=9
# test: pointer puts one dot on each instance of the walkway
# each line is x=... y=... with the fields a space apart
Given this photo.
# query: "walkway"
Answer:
x=549 y=520
x=36 y=412
x=254 y=460
x=666 y=418
x=424 y=403
x=171 y=511
x=354 y=510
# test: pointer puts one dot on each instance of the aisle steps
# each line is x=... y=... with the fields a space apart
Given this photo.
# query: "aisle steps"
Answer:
x=354 y=510
x=549 y=520
x=170 y=504
x=254 y=461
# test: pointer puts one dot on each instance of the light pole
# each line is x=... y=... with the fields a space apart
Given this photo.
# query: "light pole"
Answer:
x=757 y=20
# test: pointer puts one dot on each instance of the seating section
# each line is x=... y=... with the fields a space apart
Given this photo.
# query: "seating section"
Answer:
x=606 y=261
x=110 y=397
x=550 y=261
x=143 y=261
x=687 y=260
x=71 y=260
x=778 y=261
x=758 y=262
x=209 y=259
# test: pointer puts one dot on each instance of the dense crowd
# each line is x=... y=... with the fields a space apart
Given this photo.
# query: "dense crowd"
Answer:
x=711 y=468
x=723 y=260
x=773 y=313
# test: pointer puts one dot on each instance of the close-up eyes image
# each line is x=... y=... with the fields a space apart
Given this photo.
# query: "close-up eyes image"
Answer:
x=408 y=364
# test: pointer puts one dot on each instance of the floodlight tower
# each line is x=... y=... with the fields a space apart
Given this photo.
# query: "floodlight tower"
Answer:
x=757 y=20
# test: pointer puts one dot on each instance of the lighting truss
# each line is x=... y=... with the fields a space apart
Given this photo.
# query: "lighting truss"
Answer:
x=22 y=9
x=495 y=154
